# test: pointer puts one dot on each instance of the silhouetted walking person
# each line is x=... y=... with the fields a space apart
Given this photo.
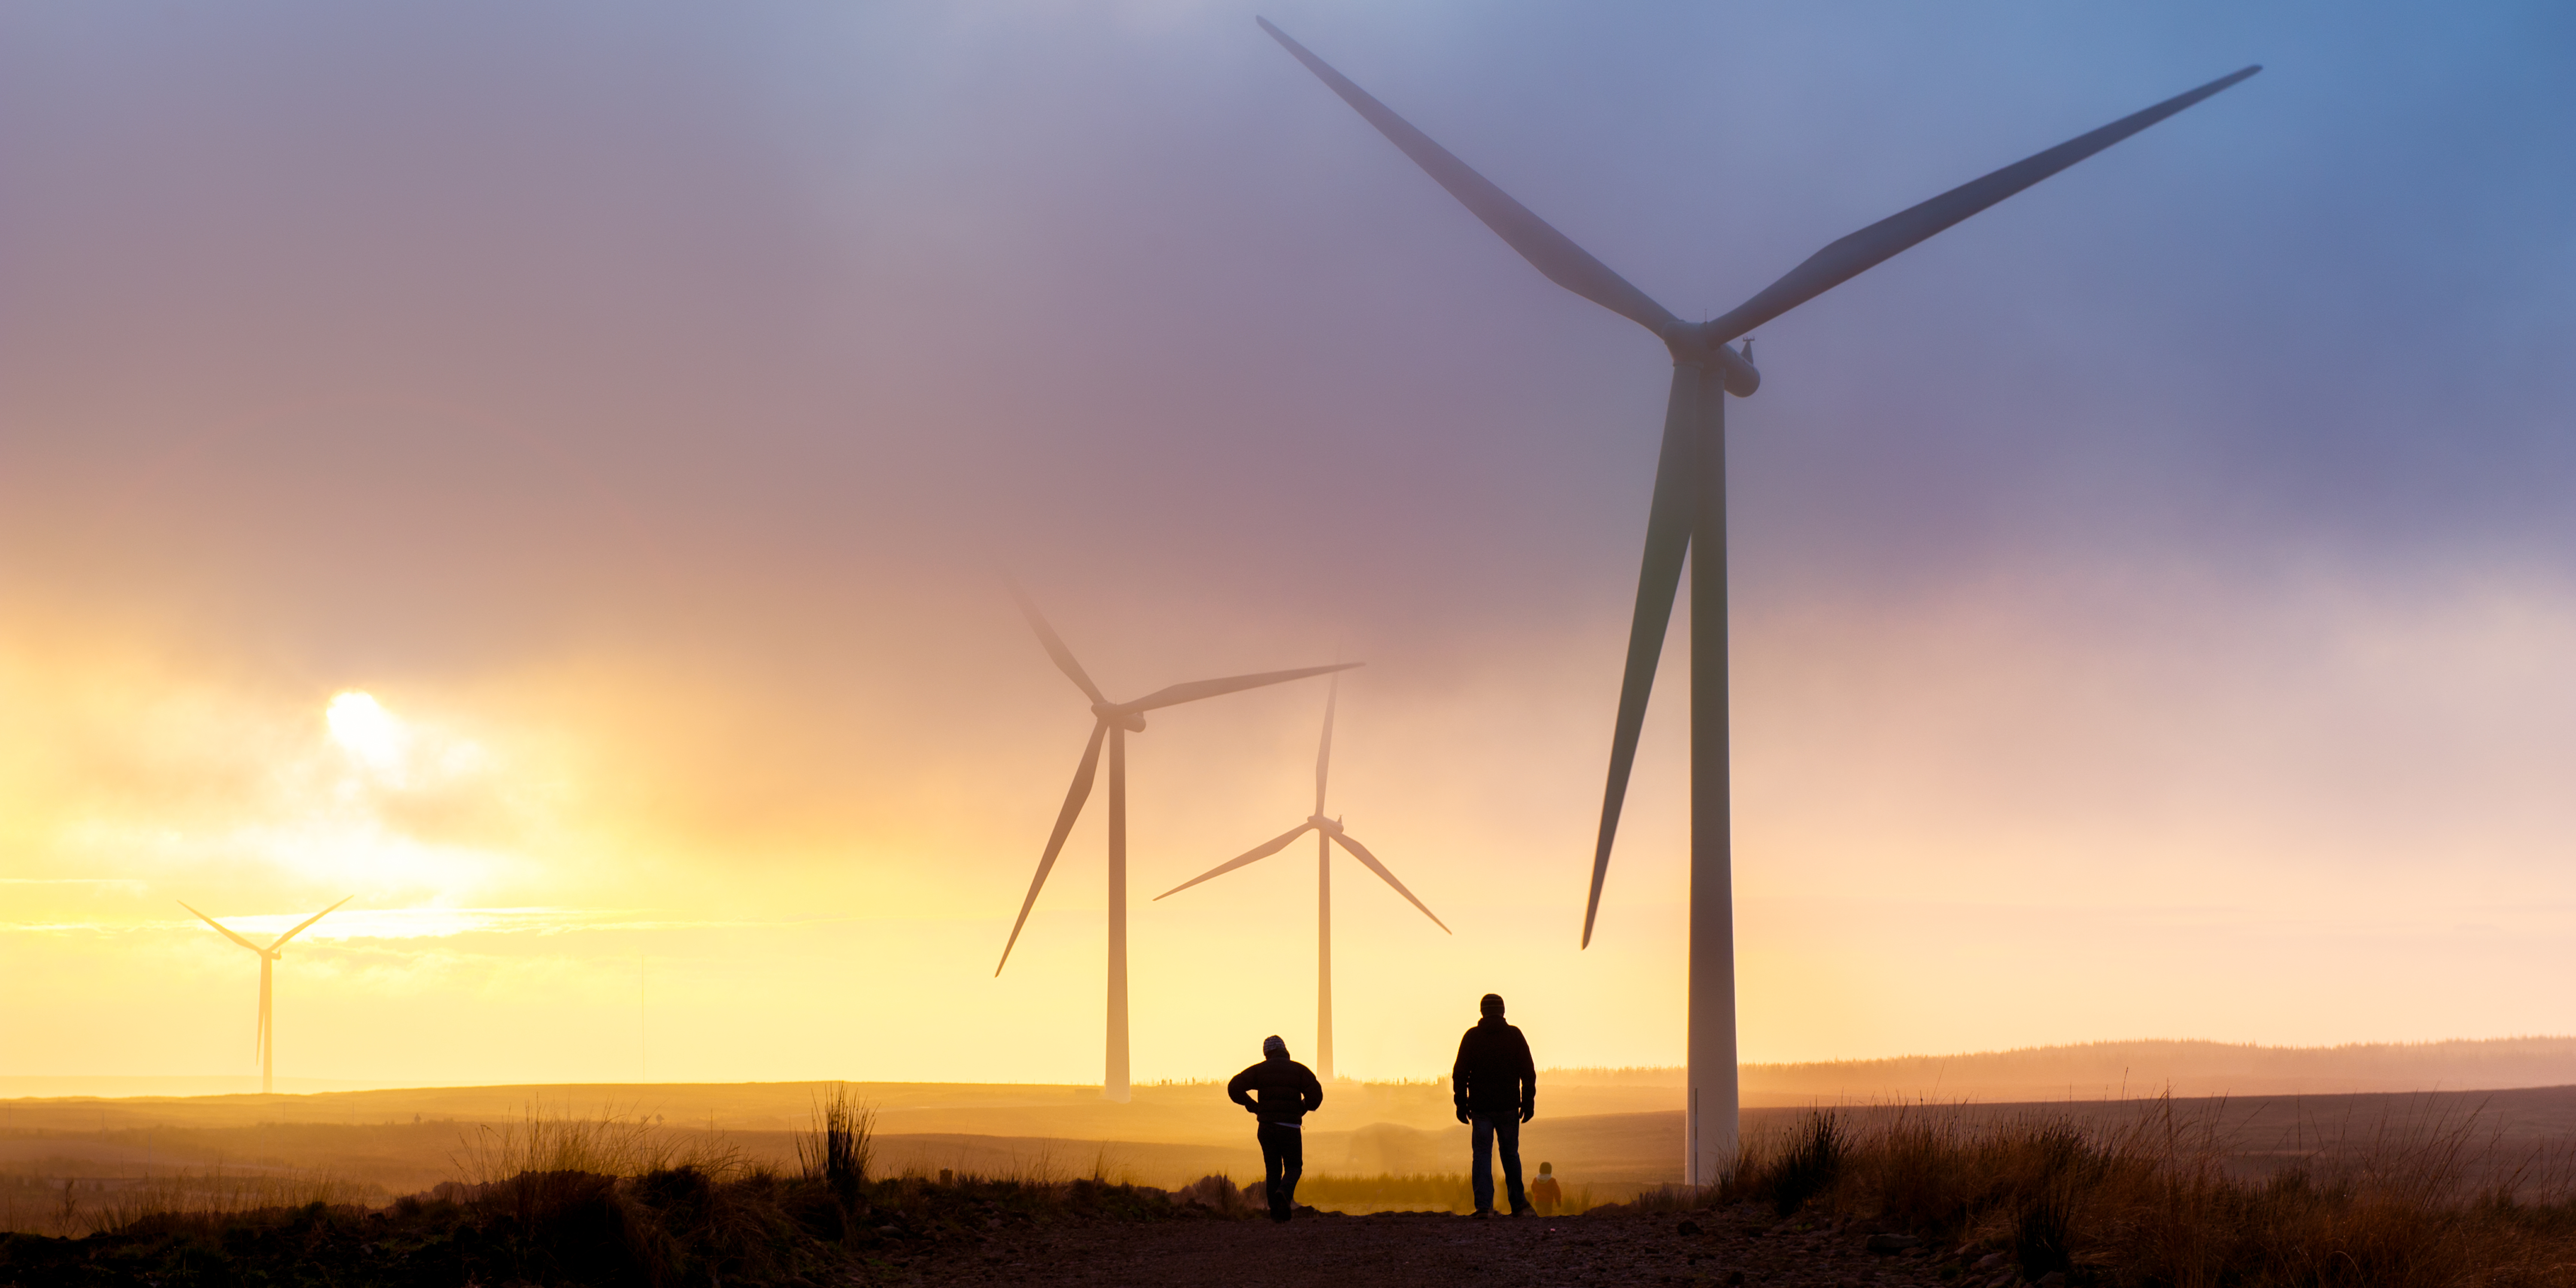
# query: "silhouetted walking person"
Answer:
x=1496 y=1088
x=1281 y=1092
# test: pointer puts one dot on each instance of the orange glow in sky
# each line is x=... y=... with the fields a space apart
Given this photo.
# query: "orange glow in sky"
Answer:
x=549 y=475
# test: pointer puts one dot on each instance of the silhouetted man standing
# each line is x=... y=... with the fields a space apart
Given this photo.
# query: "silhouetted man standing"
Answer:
x=1496 y=1088
x=1281 y=1092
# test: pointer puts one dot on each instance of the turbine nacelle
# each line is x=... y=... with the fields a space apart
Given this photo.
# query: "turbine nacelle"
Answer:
x=1327 y=826
x=1112 y=713
x=1697 y=344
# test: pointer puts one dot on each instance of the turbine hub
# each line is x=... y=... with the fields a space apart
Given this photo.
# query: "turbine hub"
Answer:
x=1692 y=345
x=1131 y=721
x=1328 y=826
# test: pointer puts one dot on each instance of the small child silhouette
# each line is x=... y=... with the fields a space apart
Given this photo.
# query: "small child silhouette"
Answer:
x=1544 y=1191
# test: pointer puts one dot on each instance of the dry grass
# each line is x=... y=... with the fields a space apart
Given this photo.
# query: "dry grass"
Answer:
x=554 y=1198
x=836 y=1152
x=2161 y=1201
x=543 y=1140
x=2168 y=1200
x=70 y=1206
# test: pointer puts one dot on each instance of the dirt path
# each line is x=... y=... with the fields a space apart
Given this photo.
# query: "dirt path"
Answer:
x=1743 y=1247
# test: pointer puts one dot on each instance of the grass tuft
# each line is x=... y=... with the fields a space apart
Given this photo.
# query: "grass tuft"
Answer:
x=836 y=1152
x=2168 y=1201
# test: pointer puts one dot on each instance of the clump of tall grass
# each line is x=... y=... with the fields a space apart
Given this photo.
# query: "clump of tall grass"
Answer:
x=836 y=1152
x=2170 y=1200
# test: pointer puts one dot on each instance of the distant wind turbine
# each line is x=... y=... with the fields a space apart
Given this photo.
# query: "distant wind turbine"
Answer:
x=1113 y=721
x=1689 y=508
x=267 y=960
x=1328 y=833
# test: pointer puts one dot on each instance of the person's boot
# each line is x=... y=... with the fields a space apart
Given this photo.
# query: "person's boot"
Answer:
x=1523 y=1208
x=1484 y=1214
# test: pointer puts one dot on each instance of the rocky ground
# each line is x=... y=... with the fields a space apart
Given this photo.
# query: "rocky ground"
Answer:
x=1747 y=1247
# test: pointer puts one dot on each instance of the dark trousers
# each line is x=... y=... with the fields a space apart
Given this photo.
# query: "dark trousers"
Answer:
x=1283 y=1160
x=1504 y=1129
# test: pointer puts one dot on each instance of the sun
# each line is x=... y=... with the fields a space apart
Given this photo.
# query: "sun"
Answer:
x=367 y=731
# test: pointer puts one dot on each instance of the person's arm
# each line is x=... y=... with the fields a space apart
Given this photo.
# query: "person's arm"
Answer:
x=1529 y=1077
x=1313 y=1091
x=1458 y=1076
x=1239 y=1092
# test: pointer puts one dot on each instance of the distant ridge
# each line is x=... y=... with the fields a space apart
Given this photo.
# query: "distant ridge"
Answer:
x=211 y=1084
x=2112 y=1070
x=2084 y=1071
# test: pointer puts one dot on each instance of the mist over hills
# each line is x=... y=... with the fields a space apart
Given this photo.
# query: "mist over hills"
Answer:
x=1618 y=1128
x=2084 y=1071
x=2116 y=1070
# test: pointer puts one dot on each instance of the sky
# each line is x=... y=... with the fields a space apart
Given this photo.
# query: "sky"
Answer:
x=548 y=471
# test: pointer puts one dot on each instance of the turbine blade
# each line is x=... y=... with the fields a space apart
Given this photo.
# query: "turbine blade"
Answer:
x=1360 y=852
x=281 y=939
x=1668 y=532
x=1073 y=799
x=1253 y=855
x=1871 y=246
x=1195 y=690
x=1324 y=749
x=226 y=933
x=1055 y=646
x=1549 y=251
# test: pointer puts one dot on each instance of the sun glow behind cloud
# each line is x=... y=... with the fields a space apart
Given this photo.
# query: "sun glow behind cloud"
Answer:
x=369 y=732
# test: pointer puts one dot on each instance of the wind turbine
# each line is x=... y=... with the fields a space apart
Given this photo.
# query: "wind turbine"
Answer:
x=267 y=959
x=1689 y=508
x=1328 y=833
x=1113 y=721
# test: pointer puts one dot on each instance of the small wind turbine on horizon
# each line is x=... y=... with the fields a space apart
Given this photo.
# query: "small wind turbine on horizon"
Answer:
x=268 y=956
x=1112 y=722
x=1688 y=511
x=1328 y=833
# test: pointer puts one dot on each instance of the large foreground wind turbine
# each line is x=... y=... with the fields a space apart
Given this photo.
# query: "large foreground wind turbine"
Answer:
x=267 y=960
x=1328 y=833
x=1113 y=721
x=1689 y=508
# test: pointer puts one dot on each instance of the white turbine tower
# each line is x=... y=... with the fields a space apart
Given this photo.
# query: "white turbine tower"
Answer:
x=1689 y=511
x=268 y=956
x=1113 y=721
x=1328 y=833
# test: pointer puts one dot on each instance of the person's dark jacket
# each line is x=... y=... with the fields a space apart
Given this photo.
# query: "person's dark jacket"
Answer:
x=1279 y=1089
x=1494 y=1075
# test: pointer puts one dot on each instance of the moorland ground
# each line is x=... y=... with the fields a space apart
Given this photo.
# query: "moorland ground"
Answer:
x=1609 y=1141
x=1898 y=1198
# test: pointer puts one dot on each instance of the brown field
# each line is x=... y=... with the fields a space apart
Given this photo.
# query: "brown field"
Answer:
x=1610 y=1135
x=2378 y=1191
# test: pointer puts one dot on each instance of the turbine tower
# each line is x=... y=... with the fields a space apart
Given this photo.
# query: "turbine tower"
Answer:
x=1689 y=509
x=1113 y=721
x=1328 y=833
x=267 y=960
